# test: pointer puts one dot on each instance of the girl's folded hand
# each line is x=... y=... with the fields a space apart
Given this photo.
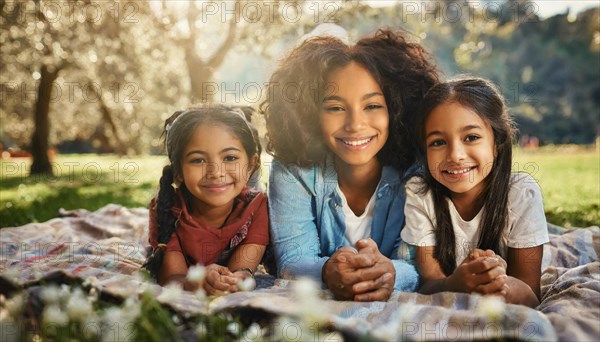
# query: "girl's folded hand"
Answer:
x=219 y=279
x=483 y=275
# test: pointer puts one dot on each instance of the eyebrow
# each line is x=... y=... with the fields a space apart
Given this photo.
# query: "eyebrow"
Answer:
x=464 y=129
x=222 y=151
x=365 y=97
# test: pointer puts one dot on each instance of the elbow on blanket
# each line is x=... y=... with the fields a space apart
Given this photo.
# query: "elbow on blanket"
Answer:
x=407 y=277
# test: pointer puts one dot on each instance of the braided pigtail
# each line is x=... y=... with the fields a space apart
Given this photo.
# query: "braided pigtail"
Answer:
x=165 y=221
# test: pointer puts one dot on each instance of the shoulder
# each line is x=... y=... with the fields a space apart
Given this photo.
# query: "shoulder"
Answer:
x=417 y=186
x=280 y=169
x=250 y=196
x=290 y=176
x=523 y=188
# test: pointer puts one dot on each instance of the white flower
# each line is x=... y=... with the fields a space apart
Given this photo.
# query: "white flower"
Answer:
x=64 y=293
x=54 y=315
x=170 y=293
x=253 y=334
x=78 y=306
x=49 y=294
x=233 y=328
x=116 y=325
x=113 y=316
x=196 y=274
x=312 y=310
x=305 y=288
x=12 y=275
x=132 y=308
x=200 y=294
x=247 y=284
x=15 y=306
x=91 y=327
x=491 y=307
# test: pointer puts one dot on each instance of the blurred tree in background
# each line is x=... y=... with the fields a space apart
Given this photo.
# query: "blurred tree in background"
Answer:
x=103 y=75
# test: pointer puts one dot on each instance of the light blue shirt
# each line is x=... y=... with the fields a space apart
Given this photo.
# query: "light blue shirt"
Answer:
x=307 y=220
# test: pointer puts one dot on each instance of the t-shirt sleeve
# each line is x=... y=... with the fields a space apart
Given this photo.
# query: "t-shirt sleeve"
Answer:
x=173 y=245
x=258 y=232
x=418 y=210
x=527 y=220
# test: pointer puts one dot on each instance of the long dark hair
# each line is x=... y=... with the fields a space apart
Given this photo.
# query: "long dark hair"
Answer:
x=178 y=131
x=485 y=99
x=295 y=91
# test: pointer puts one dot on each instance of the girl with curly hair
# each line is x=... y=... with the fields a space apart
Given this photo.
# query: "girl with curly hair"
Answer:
x=337 y=118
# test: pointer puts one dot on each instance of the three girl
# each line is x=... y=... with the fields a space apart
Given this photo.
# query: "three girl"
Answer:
x=205 y=212
x=337 y=118
x=476 y=226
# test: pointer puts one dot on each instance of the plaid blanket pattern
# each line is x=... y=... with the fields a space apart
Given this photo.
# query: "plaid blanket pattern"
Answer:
x=107 y=246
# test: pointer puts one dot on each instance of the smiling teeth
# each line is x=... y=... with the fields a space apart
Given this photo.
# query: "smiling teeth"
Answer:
x=459 y=171
x=357 y=142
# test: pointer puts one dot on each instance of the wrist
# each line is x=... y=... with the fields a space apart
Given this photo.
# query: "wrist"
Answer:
x=244 y=269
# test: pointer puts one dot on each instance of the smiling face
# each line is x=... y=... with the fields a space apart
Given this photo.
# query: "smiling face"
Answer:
x=354 y=116
x=215 y=167
x=460 y=148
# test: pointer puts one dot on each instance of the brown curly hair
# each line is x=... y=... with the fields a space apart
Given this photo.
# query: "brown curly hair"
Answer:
x=295 y=91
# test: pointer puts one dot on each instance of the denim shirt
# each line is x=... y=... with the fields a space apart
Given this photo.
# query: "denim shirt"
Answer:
x=307 y=221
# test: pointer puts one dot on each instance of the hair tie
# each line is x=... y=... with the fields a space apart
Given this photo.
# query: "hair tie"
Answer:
x=161 y=245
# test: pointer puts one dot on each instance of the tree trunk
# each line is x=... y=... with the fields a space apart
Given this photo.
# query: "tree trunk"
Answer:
x=201 y=79
x=108 y=118
x=39 y=141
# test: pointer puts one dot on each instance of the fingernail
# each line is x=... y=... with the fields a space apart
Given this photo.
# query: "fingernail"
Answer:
x=342 y=259
x=387 y=276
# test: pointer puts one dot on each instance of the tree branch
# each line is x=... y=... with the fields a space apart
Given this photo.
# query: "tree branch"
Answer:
x=215 y=61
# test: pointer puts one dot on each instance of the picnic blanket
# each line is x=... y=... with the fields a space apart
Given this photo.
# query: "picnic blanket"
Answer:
x=107 y=247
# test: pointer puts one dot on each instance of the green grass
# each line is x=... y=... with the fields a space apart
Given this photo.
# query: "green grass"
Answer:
x=80 y=181
x=568 y=176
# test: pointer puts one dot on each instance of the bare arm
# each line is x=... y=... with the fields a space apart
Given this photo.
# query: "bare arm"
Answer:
x=246 y=257
x=174 y=269
x=524 y=271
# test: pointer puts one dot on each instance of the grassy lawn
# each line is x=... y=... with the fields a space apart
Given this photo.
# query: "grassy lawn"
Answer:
x=80 y=181
x=569 y=178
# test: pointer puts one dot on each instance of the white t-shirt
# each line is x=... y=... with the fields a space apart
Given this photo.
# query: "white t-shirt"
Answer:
x=526 y=219
x=357 y=227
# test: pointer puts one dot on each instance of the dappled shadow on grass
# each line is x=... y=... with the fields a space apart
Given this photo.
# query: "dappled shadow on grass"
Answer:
x=70 y=195
x=585 y=216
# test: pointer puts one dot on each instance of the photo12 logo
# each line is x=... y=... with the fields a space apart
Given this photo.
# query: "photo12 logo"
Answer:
x=125 y=12
x=90 y=92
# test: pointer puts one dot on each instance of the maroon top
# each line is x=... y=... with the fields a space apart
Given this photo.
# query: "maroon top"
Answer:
x=200 y=243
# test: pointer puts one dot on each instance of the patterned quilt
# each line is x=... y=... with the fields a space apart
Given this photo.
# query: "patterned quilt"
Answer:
x=107 y=246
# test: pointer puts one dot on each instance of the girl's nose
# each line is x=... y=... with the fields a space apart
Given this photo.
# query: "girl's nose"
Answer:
x=214 y=170
x=355 y=120
x=456 y=153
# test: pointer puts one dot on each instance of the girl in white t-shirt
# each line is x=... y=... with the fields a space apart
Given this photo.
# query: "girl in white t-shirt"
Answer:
x=476 y=226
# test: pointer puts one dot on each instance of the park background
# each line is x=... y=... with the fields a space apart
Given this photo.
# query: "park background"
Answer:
x=87 y=85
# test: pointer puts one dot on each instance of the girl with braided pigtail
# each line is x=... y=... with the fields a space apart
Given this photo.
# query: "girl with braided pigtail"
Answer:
x=205 y=212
